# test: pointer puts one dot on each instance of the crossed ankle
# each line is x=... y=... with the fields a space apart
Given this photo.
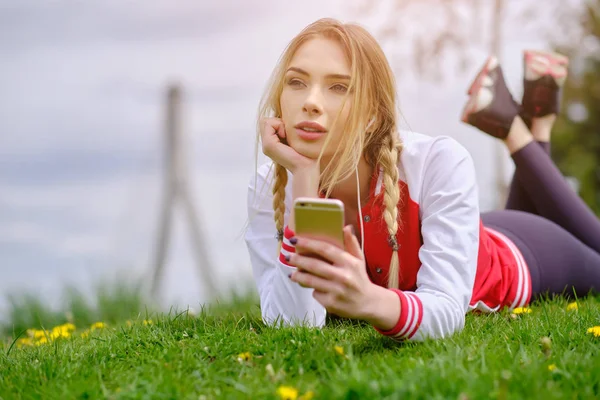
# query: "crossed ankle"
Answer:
x=541 y=127
x=518 y=136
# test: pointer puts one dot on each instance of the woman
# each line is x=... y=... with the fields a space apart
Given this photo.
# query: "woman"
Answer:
x=417 y=256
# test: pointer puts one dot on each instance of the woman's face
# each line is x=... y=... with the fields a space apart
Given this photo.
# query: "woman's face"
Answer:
x=315 y=85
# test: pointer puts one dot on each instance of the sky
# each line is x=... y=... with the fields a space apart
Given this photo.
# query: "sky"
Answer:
x=81 y=123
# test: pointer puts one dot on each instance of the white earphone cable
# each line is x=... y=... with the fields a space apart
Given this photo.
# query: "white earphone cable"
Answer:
x=360 y=216
x=362 y=227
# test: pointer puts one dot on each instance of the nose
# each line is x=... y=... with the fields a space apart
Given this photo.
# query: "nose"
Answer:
x=313 y=104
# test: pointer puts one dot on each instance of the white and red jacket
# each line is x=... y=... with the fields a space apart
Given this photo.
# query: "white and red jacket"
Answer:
x=449 y=262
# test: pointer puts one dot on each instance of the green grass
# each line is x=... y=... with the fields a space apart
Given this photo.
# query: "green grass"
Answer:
x=181 y=356
x=112 y=302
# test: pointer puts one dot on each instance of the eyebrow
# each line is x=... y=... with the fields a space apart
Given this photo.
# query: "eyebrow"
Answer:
x=330 y=76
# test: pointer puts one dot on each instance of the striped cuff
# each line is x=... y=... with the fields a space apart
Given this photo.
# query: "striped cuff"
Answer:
x=411 y=315
x=286 y=246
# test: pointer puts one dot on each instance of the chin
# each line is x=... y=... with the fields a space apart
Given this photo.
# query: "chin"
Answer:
x=307 y=149
x=310 y=153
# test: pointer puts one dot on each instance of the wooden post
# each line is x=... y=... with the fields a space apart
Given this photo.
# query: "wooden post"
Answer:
x=177 y=187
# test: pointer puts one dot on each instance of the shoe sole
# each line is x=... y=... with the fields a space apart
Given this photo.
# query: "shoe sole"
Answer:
x=555 y=58
x=546 y=64
x=473 y=91
x=484 y=70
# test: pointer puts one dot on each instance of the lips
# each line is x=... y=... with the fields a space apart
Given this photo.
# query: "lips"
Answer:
x=310 y=130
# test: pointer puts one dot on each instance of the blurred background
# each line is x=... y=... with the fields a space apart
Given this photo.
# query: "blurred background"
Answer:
x=83 y=105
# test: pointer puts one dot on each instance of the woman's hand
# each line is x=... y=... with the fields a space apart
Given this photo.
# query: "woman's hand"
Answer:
x=273 y=137
x=343 y=288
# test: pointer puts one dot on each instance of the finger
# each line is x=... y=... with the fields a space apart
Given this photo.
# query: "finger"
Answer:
x=308 y=280
x=280 y=129
x=328 y=301
x=274 y=127
x=321 y=297
x=329 y=252
x=313 y=266
x=351 y=243
x=269 y=128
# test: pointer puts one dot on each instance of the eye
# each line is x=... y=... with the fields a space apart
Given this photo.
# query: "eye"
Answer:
x=338 y=87
x=295 y=82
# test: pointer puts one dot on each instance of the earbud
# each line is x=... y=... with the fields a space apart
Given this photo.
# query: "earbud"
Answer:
x=371 y=122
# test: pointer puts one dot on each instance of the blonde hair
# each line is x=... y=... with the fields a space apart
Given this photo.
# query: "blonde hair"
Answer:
x=370 y=131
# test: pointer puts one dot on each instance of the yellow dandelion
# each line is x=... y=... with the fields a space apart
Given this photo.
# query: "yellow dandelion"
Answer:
x=41 y=341
x=521 y=310
x=98 y=325
x=307 y=396
x=85 y=333
x=339 y=350
x=36 y=334
x=148 y=322
x=129 y=323
x=24 y=342
x=287 y=393
x=573 y=306
x=60 y=332
x=244 y=356
x=68 y=327
x=551 y=367
x=595 y=330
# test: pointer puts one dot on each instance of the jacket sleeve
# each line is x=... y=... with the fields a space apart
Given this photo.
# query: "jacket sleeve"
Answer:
x=281 y=300
x=450 y=229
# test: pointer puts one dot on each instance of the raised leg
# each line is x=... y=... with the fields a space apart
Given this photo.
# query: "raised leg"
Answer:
x=492 y=109
x=548 y=190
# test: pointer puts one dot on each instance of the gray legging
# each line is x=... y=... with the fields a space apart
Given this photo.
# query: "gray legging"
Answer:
x=557 y=233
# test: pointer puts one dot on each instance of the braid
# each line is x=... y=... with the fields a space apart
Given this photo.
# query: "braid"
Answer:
x=281 y=178
x=391 y=197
